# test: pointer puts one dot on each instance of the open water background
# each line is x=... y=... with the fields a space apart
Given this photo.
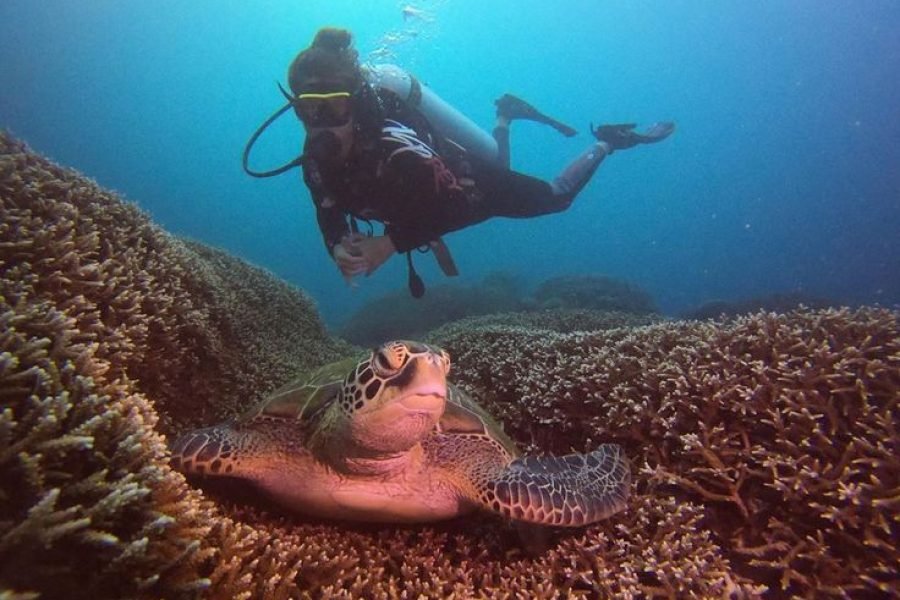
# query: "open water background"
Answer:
x=784 y=174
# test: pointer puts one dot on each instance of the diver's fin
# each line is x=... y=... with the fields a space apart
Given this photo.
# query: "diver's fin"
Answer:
x=511 y=108
x=623 y=135
x=657 y=132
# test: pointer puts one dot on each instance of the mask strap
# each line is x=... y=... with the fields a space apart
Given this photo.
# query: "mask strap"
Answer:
x=246 y=156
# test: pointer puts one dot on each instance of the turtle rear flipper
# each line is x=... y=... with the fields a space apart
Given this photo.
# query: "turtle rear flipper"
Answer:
x=567 y=491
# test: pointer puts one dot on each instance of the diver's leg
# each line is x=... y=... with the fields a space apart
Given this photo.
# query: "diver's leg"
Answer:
x=507 y=193
x=501 y=193
x=609 y=138
x=575 y=176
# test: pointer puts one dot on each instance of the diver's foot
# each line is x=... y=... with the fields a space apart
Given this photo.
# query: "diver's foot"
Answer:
x=510 y=107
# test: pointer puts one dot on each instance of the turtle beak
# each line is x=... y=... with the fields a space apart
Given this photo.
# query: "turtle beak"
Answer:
x=426 y=400
x=429 y=393
x=402 y=423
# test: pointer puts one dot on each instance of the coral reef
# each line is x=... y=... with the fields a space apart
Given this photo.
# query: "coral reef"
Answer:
x=399 y=316
x=571 y=302
x=772 y=303
x=594 y=292
x=782 y=427
x=107 y=322
x=764 y=448
x=558 y=320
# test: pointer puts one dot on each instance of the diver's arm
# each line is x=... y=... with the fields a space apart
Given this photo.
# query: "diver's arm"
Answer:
x=333 y=225
x=349 y=257
x=375 y=251
x=339 y=241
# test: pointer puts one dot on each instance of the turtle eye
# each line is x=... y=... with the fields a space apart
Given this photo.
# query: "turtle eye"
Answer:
x=385 y=362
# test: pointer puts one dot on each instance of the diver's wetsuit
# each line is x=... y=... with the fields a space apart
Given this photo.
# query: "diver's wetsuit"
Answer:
x=422 y=187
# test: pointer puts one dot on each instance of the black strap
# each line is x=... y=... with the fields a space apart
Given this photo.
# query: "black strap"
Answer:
x=415 y=92
x=246 y=156
x=415 y=283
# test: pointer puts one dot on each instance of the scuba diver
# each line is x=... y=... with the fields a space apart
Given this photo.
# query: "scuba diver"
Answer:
x=382 y=147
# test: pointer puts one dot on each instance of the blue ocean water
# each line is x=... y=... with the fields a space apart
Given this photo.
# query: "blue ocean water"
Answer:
x=784 y=173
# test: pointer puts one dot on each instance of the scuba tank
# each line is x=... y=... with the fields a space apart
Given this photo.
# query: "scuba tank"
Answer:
x=447 y=121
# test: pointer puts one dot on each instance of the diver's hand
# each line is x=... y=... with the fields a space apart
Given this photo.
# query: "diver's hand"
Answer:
x=375 y=250
x=622 y=136
x=349 y=257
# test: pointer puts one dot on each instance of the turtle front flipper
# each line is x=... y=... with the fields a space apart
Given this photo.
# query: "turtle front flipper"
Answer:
x=566 y=491
x=208 y=451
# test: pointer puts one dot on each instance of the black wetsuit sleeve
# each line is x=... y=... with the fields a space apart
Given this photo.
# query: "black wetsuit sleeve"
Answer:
x=331 y=218
x=332 y=222
x=333 y=225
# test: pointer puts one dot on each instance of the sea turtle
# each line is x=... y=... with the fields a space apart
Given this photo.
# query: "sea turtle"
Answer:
x=388 y=439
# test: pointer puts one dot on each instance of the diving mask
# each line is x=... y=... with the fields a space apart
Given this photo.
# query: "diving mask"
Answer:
x=331 y=109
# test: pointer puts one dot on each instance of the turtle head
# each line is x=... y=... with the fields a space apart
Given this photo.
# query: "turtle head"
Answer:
x=395 y=396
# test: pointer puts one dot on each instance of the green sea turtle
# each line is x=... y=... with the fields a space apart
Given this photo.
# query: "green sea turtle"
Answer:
x=387 y=439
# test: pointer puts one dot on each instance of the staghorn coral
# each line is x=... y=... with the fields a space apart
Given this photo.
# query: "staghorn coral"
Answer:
x=474 y=558
x=100 y=312
x=560 y=304
x=596 y=292
x=764 y=448
x=779 y=302
x=559 y=320
x=136 y=288
x=783 y=427
x=85 y=486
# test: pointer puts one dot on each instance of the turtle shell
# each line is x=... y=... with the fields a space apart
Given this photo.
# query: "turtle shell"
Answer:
x=303 y=398
x=463 y=415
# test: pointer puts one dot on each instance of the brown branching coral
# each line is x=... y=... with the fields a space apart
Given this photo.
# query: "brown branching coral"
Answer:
x=134 y=287
x=105 y=323
x=563 y=320
x=597 y=292
x=650 y=552
x=85 y=486
x=784 y=427
x=764 y=448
